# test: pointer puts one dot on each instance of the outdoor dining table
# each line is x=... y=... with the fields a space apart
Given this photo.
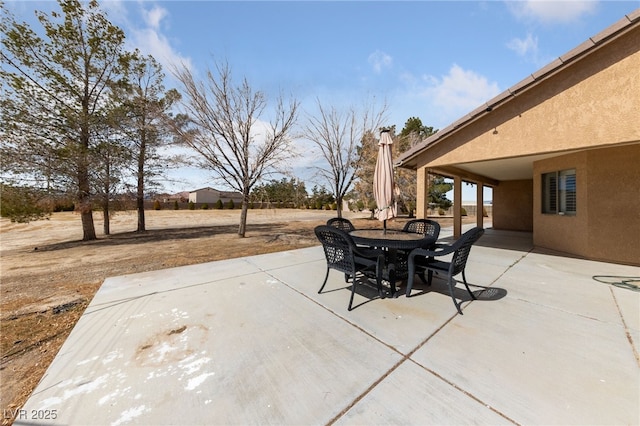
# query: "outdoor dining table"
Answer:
x=397 y=244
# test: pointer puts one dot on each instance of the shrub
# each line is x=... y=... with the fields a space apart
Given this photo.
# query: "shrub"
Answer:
x=157 y=205
x=231 y=205
x=463 y=211
x=176 y=206
x=441 y=211
x=67 y=206
x=205 y=206
x=219 y=205
x=23 y=204
x=192 y=205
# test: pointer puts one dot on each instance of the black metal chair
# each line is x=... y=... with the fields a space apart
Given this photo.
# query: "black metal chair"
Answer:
x=341 y=223
x=423 y=226
x=343 y=255
x=426 y=227
x=425 y=260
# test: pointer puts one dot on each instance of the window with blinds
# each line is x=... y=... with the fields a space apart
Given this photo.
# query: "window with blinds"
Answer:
x=559 y=192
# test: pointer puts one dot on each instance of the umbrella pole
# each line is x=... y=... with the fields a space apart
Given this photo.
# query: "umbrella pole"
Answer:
x=384 y=222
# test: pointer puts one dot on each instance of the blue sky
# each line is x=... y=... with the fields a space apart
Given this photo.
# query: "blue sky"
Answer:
x=434 y=60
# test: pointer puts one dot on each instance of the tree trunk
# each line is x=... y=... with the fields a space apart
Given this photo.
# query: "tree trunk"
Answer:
x=105 y=214
x=243 y=214
x=106 y=224
x=141 y=219
x=140 y=203
x=140 y=193
x=84 y=201
x=88 y=230
x=84 y=181
x=339 y=206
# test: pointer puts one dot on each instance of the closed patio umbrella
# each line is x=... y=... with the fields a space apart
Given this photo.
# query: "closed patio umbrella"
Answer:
x=383 y=185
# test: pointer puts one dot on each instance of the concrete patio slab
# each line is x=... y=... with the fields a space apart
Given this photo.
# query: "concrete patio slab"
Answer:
x=141 y=284
x=539 y=365
x=250 y=341
x=566 y=284
x=426 y=399
x=628 y=308
x=400 y=323
x=243 y=350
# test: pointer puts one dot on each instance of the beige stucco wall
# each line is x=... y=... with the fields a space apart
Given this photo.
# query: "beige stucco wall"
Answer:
x=607 y=224
x=614 y=204
x=562 y=233
x=513 y=205
x=594 y=102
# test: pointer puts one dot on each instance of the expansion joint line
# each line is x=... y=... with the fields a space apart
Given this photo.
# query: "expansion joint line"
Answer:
x=626 y=328
x=424 y=342
x=352 y=324
x=404 y=357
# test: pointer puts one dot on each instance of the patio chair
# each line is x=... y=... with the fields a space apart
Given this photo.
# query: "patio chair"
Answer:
x=343 y=255
x=341 y=223
x=426 y=227
x=423 y=226
x=425 y=260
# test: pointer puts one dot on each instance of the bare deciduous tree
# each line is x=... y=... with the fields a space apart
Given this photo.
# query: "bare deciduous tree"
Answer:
x=339 y=135
x=222 y=125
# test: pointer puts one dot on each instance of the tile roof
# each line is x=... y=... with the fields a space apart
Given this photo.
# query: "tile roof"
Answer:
x=625 y=24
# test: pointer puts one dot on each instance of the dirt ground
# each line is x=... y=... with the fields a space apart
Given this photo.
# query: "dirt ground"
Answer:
x=48 y=275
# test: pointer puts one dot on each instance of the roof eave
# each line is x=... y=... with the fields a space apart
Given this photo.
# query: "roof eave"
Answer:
x=407 y=159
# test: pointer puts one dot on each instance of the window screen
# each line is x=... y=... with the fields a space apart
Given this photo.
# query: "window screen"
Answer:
x=549 y=193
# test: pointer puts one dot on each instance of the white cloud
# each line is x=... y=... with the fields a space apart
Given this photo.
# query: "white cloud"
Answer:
x=460 y=91
x=154 y=17
x=380 y=60
x=151 y=40
x=558 y=11
x=525 y=47
x=154 y=43
x=116 y=10
x=440 y=100
x=148 y=36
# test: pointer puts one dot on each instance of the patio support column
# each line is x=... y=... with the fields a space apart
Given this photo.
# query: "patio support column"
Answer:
x=457 y=206
x=427 y=202
x=422 y=193
x=479 y=204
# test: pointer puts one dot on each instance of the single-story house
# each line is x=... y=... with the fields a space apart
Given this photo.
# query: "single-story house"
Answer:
x=180 y=197
x=561 y=150
x=211 y=196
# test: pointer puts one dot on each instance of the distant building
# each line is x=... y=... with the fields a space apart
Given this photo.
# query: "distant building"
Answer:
x=211 y=195
x=180 y=197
